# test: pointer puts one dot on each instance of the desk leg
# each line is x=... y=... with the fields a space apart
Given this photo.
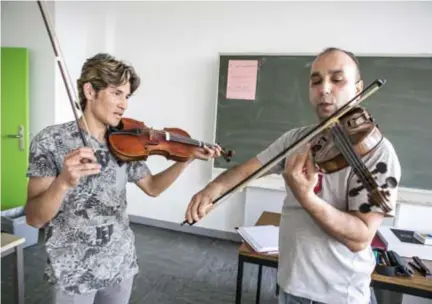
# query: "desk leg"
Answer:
x=19 y=274
x=258 y=294
x=239 y=279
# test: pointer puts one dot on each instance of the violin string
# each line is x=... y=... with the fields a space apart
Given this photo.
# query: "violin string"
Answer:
x=369 y=181
x=360 y=165
x=349 y=153
x=347 y=150
x=187 y=140
x=179 y=138
x=184 y=139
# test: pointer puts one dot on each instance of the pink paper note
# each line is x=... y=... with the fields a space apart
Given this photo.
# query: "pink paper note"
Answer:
x=242 y=79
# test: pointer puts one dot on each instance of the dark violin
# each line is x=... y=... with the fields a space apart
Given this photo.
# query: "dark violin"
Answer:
x=339 y=141
x=133 y=140
x=364 y=135
x=344 y=144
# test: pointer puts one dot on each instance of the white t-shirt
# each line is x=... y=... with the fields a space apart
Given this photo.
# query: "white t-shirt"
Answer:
x=312 y=264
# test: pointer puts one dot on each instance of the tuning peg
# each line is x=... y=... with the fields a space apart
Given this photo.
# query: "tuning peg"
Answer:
x=355 y=191
x=380 y=167
x=391 y=182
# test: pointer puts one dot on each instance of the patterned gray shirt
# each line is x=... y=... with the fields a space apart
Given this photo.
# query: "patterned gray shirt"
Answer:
x=89 y=242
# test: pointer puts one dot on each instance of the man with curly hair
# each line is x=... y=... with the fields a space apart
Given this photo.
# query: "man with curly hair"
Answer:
x=79 y=193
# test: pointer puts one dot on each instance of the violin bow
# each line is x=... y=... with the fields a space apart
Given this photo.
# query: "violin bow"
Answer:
x=302 y=141
x=64 y=72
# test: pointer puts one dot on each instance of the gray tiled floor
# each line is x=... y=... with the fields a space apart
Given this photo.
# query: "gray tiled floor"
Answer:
x=175 y=268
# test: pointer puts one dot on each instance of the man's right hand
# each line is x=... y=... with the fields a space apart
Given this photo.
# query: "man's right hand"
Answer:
x=202 y=203
x=76 y=164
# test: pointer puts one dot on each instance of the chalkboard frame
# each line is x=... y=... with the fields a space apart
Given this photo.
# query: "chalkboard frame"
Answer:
x=360 y=55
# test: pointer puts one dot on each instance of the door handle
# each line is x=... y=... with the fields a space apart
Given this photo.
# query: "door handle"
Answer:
x=19 y=136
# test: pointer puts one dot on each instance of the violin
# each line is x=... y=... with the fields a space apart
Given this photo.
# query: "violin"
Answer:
x=339 y=141
x=362 y=131
x=344 y=145
x=132 y=140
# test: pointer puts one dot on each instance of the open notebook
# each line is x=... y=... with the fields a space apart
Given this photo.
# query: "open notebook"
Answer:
x=262 y=239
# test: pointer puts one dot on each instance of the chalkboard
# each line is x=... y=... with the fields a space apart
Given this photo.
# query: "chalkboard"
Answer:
x=248 y=121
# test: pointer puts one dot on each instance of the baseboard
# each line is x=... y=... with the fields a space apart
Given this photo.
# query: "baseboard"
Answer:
x=230 y=236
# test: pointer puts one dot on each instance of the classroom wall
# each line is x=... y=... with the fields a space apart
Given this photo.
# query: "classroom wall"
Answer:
x=18 y=18
x=174 y=46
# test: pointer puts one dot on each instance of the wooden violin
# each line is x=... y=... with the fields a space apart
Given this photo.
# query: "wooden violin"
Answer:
x=339 y=141
x=132 y=140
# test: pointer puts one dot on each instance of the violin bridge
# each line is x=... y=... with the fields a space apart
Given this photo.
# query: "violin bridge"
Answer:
x=167 y=136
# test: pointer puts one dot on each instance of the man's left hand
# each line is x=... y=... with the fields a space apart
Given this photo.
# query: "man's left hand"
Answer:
x=301 y=174
x=207 y=153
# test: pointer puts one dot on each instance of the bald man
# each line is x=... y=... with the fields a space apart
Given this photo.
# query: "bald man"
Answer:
x=324 y=240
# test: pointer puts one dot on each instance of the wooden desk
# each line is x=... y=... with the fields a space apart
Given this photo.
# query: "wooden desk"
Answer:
x=14 y=244
x=416 y=285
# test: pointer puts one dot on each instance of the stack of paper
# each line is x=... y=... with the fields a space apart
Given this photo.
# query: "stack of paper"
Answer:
x=262 y=239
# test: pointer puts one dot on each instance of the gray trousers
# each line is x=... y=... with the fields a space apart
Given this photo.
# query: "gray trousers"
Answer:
x=285 y=298
x=117 y=294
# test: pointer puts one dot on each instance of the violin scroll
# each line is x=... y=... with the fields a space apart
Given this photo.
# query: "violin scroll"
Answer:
x=227 y=154
x=380 y=195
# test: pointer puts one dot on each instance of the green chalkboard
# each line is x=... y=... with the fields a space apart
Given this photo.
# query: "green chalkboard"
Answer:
x=403 y=107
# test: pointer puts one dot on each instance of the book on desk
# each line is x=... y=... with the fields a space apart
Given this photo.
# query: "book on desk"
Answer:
x=425 y=237
x=404 y=242
x=262 y=239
